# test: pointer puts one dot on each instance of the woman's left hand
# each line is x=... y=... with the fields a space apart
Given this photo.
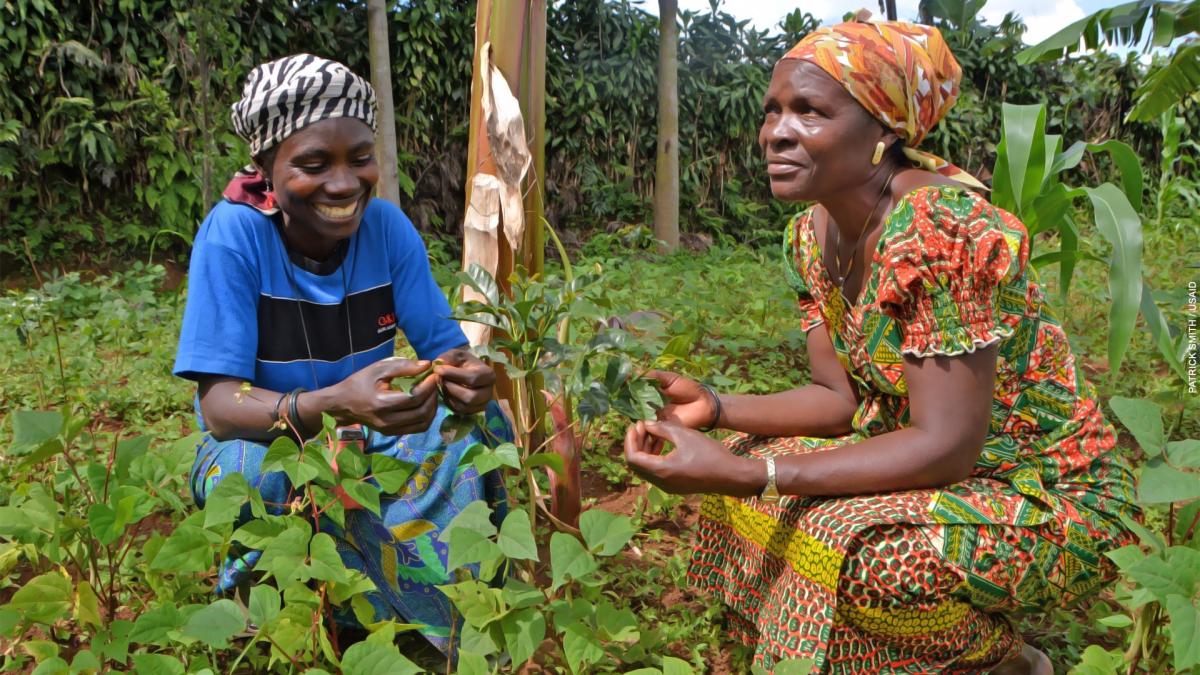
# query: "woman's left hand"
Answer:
x=696 y=464
x=466 y=381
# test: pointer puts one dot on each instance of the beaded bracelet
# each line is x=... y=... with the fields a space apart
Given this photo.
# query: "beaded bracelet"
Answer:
x=716 y=408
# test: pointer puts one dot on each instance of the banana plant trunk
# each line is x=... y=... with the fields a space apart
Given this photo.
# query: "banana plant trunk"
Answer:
x=513 y=35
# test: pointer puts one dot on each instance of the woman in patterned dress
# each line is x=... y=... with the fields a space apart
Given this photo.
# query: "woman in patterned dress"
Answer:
x=948 y=467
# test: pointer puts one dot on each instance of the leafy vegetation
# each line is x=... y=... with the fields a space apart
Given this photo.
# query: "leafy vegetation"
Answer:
x=115 y=137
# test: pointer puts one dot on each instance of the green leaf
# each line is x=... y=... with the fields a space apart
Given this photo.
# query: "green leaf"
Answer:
x=259 y=532
x=362 y=492
x=1185 y=453
x=1170 y=84
x=581 y=647
x=1143 y=419
x=479 y=642
x=468 y=546
x=352 y=463
x=1172 y=574
x=1160 y=331
x=282 y=450
x=479 y=279
x=152 y=626
x=487 y=459
x=1161 y=483
x=469 y=536
x=516 y=537
x=85 y=661
x=32 y=428
x=1098 y=661
x=477 y=516
x=127 y=450
x=478 y=603
x=87 y=605
x=1020 y=157
x=1094 y=30
x=1185 y=631
x=1116 y=621
x=674 y=666
x=284 y=556
x=1129 y=166
x=568 y=560
x=605 y=533
x=517 y=594
x=368 y=658
x=1120 y=225
x=106 y=524
x=157 y=664
x=264 y=604
x=224 y=502
x=15 y=524
x=616 y=625
x=9 y=619
x=1126 y=556
x=391 y=474
x=471 y=663
x=547 y=458
x=188 y=549
x=456 y=427
x=326 y=563
x=45 y=598
x=523 y=631
x=216 y=623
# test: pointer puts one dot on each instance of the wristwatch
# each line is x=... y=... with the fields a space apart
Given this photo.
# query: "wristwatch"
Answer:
x=770 y=493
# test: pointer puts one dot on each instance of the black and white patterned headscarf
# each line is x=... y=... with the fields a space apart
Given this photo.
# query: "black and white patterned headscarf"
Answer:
x=284 y=96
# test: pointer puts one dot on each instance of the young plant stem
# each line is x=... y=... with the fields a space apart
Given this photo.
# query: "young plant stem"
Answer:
x=62 y=373
x=245 y=650
x=333 y=634
x=34 y=365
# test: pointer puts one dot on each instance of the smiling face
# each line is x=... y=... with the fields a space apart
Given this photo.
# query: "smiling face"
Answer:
x=817 y=139
x=323 y=177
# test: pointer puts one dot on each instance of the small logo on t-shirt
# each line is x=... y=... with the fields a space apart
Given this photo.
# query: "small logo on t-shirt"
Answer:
x=386 y=322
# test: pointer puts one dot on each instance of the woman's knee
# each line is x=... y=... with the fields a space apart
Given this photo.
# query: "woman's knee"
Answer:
x=217 y=460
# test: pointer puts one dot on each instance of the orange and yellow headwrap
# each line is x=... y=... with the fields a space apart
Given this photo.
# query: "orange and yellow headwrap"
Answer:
x=902 y=73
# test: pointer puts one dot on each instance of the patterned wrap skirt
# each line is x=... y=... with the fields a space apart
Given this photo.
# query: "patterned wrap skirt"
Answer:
x=405 y=569
x=873 y=584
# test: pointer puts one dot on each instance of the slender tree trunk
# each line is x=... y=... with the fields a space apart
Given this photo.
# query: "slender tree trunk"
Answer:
x=381 y=78
x=516 y=30
x=666 y=170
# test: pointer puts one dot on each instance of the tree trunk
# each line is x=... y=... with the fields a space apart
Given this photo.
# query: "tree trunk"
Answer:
x=666 y=169
x=381 y=78
x=516 y=31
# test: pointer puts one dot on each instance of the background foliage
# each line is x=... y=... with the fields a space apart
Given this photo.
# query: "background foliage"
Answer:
x=115 y=137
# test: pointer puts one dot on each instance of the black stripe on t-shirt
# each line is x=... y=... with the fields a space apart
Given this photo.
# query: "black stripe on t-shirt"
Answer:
x=281 y=334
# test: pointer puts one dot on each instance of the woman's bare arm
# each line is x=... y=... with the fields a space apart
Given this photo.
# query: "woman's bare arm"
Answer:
x=824 y=408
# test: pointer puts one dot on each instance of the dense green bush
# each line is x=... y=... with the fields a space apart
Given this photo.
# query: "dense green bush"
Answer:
x=115 y=137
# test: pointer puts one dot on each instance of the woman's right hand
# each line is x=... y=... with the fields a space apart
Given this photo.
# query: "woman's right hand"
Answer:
x=687 y=402
x=367 y=397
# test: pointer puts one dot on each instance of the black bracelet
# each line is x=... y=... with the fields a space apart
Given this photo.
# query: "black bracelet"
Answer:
x=275 y=410
x=294 y=413
x=716 y=408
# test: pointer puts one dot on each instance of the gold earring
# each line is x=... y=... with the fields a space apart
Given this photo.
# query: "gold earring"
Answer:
x=878 y=156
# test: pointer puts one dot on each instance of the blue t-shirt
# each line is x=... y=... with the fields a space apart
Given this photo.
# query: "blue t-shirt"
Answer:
x=256 y=314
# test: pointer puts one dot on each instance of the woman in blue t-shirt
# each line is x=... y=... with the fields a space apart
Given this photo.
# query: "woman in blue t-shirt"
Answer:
x=298 y=283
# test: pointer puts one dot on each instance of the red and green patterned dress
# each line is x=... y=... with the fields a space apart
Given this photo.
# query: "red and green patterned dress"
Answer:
x=927 y=581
